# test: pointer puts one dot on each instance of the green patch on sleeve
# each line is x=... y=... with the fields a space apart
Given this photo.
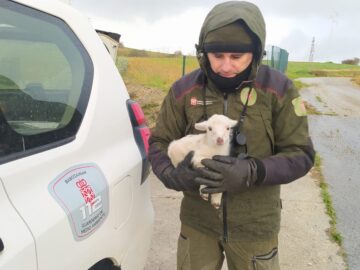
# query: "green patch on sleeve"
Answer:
x=299 y=106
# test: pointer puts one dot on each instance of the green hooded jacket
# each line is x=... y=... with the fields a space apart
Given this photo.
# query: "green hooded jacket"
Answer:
x=276 y=128
x=230 y=12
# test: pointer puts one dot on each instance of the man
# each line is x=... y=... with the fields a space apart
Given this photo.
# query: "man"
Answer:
x=271 y=145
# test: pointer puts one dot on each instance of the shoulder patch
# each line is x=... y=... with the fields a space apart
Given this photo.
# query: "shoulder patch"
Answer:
x=272 y=81
x=299 y=106
x=188 y=83
x=244 y=96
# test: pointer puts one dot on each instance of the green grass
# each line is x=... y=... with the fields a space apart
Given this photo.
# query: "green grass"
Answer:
x=330 y=211
x=8 y=84
x=122 y=64
x=311 y=109
x=160 y=70
x=356 y=79
x=129 y=52
x=305 y=69
x=157 y=72
x=318 y=98
x=300 y=85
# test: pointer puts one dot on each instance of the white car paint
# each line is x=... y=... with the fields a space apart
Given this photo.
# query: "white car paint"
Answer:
x=36 y=232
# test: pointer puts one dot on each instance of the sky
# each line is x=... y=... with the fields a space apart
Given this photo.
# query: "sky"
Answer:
x=173 y=25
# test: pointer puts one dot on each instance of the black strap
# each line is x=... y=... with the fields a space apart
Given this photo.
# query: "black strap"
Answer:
x=239 y=139
x=203 y=91
x=243 y=112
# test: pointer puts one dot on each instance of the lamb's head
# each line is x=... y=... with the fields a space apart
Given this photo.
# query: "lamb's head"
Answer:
x=218 y=129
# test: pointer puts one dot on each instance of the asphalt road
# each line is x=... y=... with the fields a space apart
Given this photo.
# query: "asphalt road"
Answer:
x=336 y=136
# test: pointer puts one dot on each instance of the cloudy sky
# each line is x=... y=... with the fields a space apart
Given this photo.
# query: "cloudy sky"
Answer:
x=171 y=25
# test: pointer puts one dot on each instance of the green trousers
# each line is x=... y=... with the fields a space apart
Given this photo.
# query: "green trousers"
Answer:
x=198 y=251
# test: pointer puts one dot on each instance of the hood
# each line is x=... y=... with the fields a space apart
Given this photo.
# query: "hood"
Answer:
x=227 y=13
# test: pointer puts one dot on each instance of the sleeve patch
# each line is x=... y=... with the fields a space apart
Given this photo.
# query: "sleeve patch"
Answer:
x=299 y=106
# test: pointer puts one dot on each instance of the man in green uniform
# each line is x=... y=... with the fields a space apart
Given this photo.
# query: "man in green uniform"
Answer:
x=271 y=145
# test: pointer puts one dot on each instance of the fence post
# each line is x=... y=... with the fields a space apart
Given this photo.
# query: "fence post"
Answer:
x=184 y=64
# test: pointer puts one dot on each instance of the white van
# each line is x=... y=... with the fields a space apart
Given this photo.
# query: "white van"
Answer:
x=73 y=147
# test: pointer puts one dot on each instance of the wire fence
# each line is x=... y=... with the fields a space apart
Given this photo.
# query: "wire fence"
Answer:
x=277 y=58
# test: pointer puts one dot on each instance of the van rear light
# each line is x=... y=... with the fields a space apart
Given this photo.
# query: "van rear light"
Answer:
x=145 y=135
x=138 y=113
x=141 y=134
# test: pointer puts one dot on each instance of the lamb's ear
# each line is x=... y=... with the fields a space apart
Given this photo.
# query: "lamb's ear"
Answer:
x=233 y=123
x=201 y=126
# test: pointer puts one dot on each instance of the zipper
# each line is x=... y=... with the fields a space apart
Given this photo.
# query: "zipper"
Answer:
x=225 y=108
x=225 y=228
x=224 y=195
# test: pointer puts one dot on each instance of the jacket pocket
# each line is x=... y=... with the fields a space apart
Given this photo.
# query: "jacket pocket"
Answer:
x=183 y=259
x=268 y=261
x=257 y=131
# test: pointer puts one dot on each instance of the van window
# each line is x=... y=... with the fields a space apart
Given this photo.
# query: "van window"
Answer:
x=45 y=81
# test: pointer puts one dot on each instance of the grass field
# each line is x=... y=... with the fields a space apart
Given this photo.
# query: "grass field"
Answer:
x=158 y=70
x=306 y=69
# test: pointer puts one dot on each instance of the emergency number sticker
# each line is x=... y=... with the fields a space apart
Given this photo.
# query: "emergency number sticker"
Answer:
x=82 y=192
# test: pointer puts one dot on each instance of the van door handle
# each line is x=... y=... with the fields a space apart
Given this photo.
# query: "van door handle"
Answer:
x=1 y=245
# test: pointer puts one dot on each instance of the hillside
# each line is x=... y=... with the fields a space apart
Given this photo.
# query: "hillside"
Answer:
x=130 y=52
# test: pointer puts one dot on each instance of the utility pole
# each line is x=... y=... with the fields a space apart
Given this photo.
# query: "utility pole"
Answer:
x=312 y=50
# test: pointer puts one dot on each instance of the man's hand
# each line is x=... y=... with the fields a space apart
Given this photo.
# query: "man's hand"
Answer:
x=182 y=177
x=224 y=173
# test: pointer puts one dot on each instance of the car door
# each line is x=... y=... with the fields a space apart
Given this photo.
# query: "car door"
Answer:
x=17 y=247
x=68 y=158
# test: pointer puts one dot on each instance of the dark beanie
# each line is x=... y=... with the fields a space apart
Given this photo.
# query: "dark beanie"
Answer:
x=234 y=37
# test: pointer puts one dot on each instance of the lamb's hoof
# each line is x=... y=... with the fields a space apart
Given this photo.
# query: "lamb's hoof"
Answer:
x=216 y=205
x=204 y=196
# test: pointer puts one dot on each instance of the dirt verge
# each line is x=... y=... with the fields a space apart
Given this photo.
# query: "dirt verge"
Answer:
x=150 y=100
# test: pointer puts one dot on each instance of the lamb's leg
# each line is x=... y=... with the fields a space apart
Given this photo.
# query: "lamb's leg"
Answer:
x=216 y=200
x=205 y=196
x=197 y=164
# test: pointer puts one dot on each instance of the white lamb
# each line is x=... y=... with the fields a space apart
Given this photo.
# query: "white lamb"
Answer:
x=216 y=141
